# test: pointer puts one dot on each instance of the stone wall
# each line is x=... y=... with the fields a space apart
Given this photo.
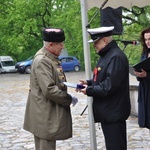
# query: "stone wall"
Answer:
x=134 y=97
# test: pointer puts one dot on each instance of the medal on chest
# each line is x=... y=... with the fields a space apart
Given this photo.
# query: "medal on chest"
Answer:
x=96 y=70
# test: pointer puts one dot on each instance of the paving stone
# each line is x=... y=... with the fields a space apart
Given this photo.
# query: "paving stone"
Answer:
x=12 y=107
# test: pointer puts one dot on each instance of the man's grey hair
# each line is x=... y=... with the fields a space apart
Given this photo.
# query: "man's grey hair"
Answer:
x=110 y=38
x=45 y=43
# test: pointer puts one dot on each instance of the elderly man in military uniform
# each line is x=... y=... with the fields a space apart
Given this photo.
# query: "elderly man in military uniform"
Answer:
x=47 y=114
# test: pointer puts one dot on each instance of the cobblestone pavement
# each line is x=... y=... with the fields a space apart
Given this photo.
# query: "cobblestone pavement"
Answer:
x=13 y=95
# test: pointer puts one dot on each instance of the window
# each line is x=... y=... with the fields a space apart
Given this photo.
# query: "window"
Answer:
x=7 y=63
x=69 y=59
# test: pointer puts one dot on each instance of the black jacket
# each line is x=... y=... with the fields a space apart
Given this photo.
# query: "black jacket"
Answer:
x=110 y=86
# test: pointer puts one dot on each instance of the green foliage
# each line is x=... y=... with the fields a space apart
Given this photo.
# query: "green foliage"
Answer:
x=22 y=21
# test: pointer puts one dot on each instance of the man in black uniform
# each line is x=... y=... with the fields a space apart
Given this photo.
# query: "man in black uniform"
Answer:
x=109 y=88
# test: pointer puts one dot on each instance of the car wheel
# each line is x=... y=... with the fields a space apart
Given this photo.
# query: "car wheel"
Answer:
x=28 y=69
x=76 y=68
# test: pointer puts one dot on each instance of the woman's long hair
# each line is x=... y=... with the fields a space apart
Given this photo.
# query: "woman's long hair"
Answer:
x=145 y=48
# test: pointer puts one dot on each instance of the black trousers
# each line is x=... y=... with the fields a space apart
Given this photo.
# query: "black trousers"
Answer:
x=115 y=135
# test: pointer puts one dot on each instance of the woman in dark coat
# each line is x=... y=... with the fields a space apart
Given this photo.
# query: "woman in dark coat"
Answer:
x=144 y=83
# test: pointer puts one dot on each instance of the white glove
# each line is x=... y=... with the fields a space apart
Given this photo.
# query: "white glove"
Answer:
x=74 y=101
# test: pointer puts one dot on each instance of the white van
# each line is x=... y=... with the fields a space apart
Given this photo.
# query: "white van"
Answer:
x=7 y=64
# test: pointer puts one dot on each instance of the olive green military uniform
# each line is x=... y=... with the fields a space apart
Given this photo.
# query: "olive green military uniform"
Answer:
x=47 y=113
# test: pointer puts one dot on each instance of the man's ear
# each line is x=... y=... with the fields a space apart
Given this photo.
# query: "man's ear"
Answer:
x=50 y=43
x=105 y=39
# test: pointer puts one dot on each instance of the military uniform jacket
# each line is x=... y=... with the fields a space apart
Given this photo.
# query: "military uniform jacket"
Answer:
x=110 y=86
x=47 y=112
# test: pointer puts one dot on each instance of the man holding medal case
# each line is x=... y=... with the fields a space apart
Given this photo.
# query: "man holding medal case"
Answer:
x=109 y=88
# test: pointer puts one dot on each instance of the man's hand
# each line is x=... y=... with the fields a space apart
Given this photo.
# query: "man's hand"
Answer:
x=84 y=83
x=84 y=90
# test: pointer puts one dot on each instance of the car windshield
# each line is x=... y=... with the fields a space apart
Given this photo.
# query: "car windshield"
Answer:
x=7 y=63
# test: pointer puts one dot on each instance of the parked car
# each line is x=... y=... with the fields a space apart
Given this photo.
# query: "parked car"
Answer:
x=70 y=63
x=7 y=64
x=24 y=66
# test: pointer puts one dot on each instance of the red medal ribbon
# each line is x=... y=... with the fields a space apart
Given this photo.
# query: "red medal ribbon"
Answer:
x=95 y=74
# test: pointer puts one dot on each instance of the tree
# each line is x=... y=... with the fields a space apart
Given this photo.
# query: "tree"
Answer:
x=134 y=21
x=22 y=22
